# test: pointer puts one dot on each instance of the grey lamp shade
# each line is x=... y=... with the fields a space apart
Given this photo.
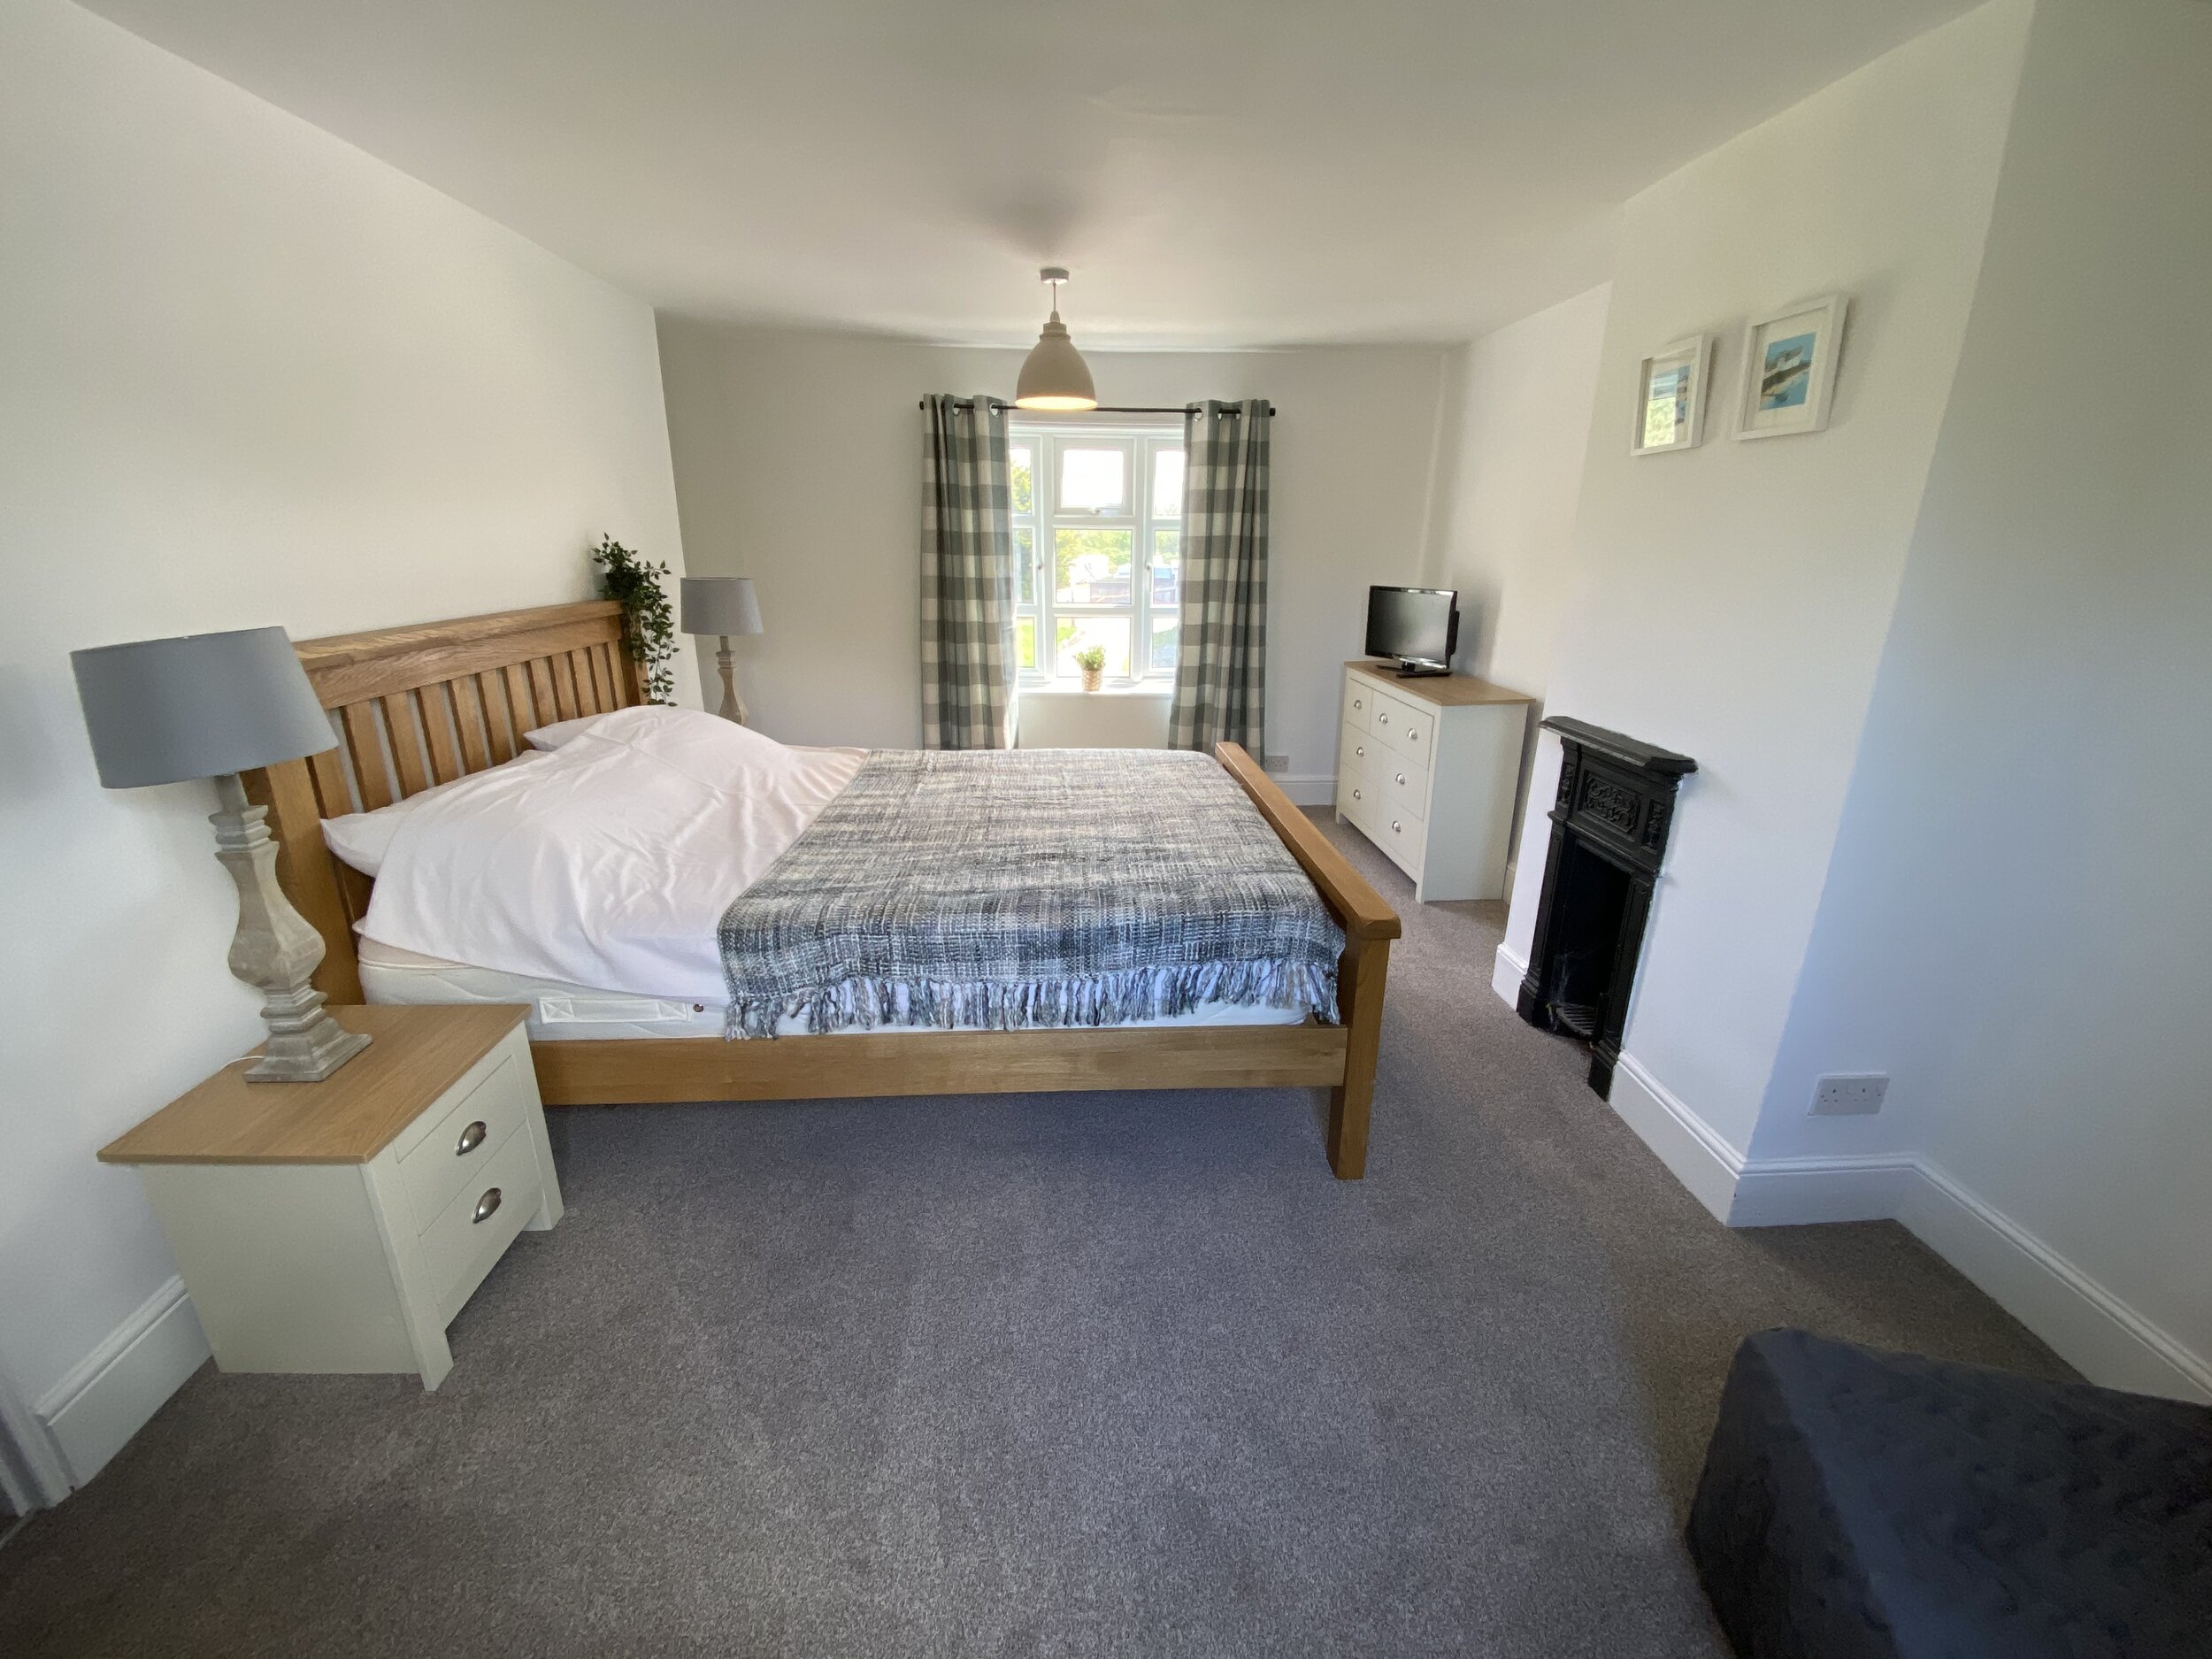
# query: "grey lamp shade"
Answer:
x=720 y=604
x=165 y=711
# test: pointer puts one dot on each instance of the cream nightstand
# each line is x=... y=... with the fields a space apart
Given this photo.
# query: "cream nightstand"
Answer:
x=340 y=1225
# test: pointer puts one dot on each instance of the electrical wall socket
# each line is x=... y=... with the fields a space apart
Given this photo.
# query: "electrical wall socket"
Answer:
x=1275 y=763
x=1848 y=1094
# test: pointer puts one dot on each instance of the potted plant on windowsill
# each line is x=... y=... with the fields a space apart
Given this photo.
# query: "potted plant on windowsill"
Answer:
x=1092 y=660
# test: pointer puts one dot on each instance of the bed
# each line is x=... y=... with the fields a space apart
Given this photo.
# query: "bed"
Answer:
x=431 y=703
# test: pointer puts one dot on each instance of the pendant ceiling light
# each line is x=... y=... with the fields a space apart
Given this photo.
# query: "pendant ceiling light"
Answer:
x=1053 y=375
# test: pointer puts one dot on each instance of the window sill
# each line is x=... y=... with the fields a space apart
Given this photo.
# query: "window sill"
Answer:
x=1130 y=688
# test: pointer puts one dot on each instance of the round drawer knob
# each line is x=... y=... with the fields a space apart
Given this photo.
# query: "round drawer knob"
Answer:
x=488 y=1206
x=1401 y=777
x=1356 y=795
x=1382 y=719
x=1393 y=826
x=471 y=1138
x=1359 y=749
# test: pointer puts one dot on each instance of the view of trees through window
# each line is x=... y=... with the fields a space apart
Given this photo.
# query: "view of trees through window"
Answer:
x=1097 y=548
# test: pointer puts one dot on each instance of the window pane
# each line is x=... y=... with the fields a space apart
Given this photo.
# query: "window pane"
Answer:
x=1167 y=483
x=1091 y=567
x=1167 y=570
x=1076 y=632
x=1024 y=567
x=1165 y=632
x=1021 y=479
x=1093 y=480
x=1024 y=642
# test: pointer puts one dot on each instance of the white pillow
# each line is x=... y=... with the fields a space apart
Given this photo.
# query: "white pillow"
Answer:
x=551 y=737
x=658 y=728
x=361 y=839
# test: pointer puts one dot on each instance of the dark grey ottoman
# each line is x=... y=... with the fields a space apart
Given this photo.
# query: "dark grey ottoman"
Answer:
x=1857 y=1505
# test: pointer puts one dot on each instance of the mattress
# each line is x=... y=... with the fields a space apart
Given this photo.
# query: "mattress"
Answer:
x=561 y=1013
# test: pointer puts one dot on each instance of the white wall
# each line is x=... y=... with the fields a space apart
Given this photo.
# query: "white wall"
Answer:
x=1512 y=445
x=248 y=375
x=798 y=463
x=2015 y=924
x=1511 y=484
x=1732 y=601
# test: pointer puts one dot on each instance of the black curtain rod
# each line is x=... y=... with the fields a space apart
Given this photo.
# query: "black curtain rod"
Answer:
x=1103 y=409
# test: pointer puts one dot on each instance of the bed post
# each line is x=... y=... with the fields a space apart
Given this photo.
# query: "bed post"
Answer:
x=1368 y=925
x=1360 y=974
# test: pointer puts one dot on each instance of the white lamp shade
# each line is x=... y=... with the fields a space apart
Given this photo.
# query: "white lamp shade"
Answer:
x=720 y=605
x=165 y=711
x=1053 y=375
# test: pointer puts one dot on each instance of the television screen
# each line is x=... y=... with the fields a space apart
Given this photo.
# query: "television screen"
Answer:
x=1412 y=623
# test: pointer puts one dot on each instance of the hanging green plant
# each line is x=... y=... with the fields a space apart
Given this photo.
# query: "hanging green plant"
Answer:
x=648 y=626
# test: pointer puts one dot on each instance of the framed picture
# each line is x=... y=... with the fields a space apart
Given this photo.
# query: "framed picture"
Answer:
x=1670 y=397
x=1789 y=369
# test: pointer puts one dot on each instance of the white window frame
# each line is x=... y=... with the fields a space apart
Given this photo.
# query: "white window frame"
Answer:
x=1141 y=441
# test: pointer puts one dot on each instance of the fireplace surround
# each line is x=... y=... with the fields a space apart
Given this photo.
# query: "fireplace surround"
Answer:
x=1609 y=835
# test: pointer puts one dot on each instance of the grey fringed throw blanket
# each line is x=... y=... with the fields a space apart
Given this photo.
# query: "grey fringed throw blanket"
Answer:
x=1009 y=888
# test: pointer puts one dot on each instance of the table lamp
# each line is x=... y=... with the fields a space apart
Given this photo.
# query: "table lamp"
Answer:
x=721 y=605
x=213 y=705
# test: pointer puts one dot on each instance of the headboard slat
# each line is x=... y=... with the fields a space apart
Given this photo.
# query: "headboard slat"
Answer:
x=365 y=745
x=474 y=721
x=399 y=731
x=429 y=702
x=439 y=726
x=491 y=693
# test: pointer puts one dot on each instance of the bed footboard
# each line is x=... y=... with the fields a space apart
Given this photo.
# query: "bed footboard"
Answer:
x=1368 y=925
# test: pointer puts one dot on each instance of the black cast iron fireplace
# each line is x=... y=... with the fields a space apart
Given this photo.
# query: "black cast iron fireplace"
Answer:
x=1609 y=834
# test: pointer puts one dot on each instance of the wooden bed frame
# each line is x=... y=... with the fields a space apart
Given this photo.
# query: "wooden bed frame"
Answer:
x=428 y=704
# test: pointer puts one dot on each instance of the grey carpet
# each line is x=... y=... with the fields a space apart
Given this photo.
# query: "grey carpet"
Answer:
x=1079 y=1374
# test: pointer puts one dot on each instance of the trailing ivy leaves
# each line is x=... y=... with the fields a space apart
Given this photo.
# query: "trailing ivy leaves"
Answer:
x=648 y=626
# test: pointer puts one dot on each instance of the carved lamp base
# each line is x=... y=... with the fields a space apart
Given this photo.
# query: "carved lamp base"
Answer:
x=733 y=705
x=276 y=951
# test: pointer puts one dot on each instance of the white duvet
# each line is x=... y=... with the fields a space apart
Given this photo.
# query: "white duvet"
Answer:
x=607 y=861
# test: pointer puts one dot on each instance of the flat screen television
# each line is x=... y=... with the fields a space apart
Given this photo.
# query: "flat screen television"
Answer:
x=1418 y=626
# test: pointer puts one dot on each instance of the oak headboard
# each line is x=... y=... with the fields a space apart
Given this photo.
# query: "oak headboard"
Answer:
x=420 y=705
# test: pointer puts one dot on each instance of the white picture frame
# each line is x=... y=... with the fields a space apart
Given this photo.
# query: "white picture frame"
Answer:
x=1671 y=397
x=1789 y=368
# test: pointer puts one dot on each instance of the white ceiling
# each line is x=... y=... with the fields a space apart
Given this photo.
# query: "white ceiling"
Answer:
x=1217 y=172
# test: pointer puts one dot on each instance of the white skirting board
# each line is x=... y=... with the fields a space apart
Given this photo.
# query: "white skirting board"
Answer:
x=1507 y=971
x=2089 y=1327
x=114 y=1391
x=1304 y=791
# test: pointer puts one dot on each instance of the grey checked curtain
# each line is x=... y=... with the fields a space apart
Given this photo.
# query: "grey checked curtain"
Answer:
x=1221 y=670
x=967 y=577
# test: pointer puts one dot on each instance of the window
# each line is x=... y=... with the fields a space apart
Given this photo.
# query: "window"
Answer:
x=1098 y=539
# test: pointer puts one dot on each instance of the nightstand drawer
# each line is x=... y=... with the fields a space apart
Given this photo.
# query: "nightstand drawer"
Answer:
x=1404 y=785
x=464 y=1140
x=1356 y=752
x=1359 y=703
x=1405 y=728
x=472 y=1232
x=1401 y=836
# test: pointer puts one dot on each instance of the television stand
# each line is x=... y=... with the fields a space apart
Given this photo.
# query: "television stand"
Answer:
x=1410 y=669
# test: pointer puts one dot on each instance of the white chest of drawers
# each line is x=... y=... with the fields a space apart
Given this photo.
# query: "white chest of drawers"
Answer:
x=340 y=1225
x=1427 y=769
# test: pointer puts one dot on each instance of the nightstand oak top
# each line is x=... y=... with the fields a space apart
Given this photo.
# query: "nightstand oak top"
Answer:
x=349 y=1118
x=1446 y=691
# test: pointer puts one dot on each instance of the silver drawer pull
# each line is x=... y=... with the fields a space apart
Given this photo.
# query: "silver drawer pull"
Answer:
x=1401 y=777
x=1355 y=794
x=488 y=1206
x=1393 y=826
x=1382 y=719
x=1359 y=749
x=1357 y=703
x=473 y=1137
